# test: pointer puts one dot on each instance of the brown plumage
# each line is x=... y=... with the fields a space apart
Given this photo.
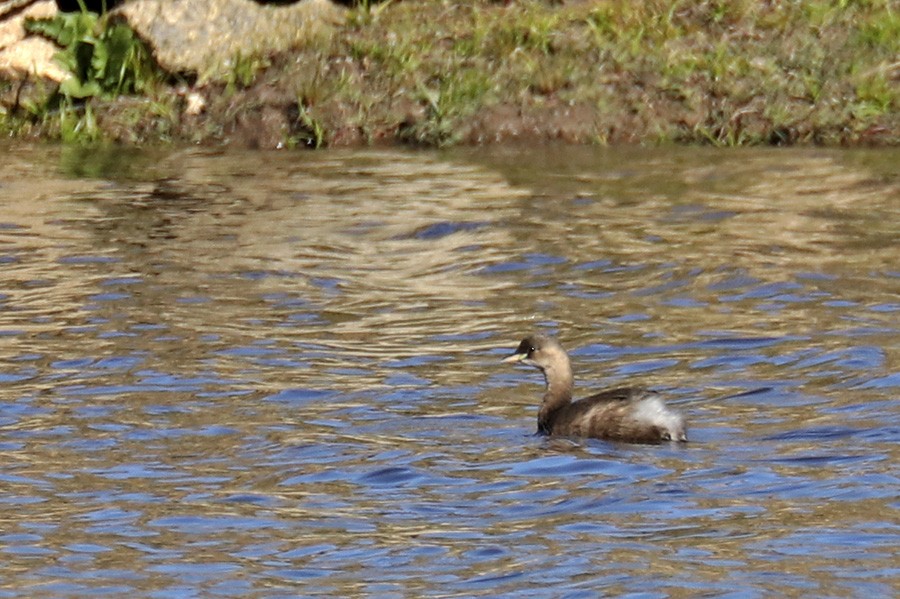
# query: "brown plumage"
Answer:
x=629 y=414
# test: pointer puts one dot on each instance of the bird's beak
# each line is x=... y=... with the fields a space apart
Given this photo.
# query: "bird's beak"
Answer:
x=515 y=358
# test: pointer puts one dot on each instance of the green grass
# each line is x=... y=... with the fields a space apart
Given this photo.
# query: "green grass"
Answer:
x=105 y=61
x=437 y=72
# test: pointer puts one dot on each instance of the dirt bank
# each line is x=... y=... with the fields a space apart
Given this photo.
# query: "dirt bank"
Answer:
x=438 y=73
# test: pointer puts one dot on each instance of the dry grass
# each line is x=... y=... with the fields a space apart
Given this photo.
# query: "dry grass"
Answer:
x=723 y=72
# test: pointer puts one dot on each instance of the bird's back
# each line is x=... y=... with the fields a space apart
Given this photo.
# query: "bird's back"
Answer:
x=630 y=414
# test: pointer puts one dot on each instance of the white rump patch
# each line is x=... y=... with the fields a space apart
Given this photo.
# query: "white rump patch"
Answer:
x=653 y=411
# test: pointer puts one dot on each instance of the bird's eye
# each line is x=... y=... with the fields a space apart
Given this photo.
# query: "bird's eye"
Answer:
x=531 y=350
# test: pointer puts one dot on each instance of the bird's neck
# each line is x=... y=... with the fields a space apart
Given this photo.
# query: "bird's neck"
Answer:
x=559 y=382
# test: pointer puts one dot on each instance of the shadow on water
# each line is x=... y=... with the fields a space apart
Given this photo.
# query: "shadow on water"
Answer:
x=272 y=373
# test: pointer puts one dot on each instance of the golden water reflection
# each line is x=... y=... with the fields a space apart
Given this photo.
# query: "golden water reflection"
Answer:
x=279 y=372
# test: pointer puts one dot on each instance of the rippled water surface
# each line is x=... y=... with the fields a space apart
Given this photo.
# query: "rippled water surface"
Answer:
x=278 y=374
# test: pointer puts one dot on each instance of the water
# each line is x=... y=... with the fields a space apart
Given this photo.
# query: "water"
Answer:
x=231 y=374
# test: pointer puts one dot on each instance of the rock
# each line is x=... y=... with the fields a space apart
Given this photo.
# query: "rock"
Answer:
x=23 y=55
x=207 y=37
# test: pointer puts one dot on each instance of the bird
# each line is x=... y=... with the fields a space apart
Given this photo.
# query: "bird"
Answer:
x=626 y=414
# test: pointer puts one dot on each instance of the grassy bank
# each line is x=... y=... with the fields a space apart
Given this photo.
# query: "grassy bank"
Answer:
x=435 y=73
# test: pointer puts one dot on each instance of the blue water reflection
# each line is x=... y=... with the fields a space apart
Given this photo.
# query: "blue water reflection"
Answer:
x=218 y=383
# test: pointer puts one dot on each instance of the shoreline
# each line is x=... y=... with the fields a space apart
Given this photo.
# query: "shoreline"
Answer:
x=439 y=74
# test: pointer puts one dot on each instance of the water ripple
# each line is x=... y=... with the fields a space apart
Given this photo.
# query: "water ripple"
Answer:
x=240 y=375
